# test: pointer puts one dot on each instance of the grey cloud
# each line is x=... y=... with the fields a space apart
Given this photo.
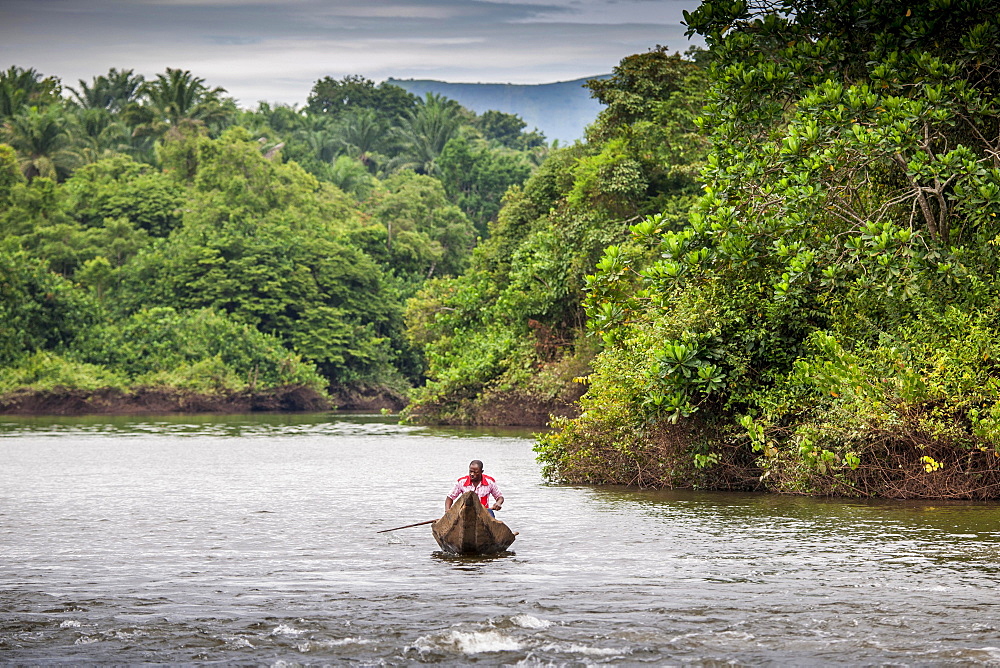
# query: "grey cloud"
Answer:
x=275 y=51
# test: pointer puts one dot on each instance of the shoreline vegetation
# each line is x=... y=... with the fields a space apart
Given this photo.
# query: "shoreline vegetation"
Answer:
x=825 y=319
x=771 y=265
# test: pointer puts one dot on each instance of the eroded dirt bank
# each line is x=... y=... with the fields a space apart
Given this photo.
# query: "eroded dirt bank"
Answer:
x=153 y=400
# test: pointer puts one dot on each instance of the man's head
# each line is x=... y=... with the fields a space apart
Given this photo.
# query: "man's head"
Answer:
x=475 y=470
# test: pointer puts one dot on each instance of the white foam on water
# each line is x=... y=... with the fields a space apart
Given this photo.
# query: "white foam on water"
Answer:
x=529 y=622
x=235 y=641
x=533 y=662
x=471 y=642
x=285 y=630
x=599 y=651
x=320 y=645
x=477 y=642
x=122 y=634
x=70 y=624
x=85 y=640
x=347 y=641
x=587 y=651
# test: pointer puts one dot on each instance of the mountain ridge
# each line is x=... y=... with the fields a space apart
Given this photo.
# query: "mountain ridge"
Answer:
x=561 y=110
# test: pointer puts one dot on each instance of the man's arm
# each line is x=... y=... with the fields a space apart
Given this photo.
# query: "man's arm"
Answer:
x=450 y=499
x=497 y=496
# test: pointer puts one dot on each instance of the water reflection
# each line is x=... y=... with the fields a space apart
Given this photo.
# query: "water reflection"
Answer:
x=470 y=563
x=938 y=519
x=246 y=425
x=232 y=426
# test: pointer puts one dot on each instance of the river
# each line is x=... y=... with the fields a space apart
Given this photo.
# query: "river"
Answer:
x=252 y=540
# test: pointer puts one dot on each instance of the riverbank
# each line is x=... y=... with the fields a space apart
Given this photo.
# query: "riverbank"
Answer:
x=499 y=409
x=159 y=400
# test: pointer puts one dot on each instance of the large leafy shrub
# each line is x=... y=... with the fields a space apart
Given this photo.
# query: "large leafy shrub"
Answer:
x=846 y=237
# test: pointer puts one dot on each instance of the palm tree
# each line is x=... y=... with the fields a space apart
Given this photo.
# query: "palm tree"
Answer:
x=178 y=99
x=364 y=138
x=425 y=131
x=43 y=142
x=104 y=111
x=316 y=134
x=351 y=176
x=112 y=92
x=21 y=88
x=99 y=133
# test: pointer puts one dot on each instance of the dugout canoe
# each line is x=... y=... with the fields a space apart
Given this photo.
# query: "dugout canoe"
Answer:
x=467 y=528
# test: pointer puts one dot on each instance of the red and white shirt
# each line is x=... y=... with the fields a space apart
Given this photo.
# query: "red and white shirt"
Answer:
x=486 y=486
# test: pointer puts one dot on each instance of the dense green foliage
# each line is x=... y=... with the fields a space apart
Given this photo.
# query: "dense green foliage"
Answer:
x=152 y=234
x=353 y=132
x=771 y=265
x=513 y=324
x=39 y=310
x=826 y=319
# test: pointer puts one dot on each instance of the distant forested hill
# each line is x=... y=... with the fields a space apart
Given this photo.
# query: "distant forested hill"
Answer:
x=560 y=110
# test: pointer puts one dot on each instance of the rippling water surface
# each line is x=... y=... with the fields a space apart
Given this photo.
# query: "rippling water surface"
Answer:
x=251 y=540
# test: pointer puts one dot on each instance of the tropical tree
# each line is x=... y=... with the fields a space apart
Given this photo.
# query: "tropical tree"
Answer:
x=365 y=138
x=331 y=97
x=351 y=176
x=177 y=98
x=316 y=140
x=112 y=92
x=477 y=176
x=272 y=124
x=426 y=130
x=511 y=329
x=281 y=119
x=39 y=310
x=101 y=126
x=266 y=243
x=43 y=141
x=825 y=318
x=10 y=174
x=99 y=133
x=508 y=130
x=118 y=187
x=419 y=233
x=22 y=88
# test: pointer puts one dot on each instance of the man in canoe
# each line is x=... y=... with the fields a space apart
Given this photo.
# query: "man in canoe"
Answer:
x=482 y=485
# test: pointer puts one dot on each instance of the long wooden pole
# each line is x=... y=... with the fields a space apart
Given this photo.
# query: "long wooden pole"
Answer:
x=407 y=526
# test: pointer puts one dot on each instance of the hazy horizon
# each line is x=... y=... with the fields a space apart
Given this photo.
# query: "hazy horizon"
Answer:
x=260 y=50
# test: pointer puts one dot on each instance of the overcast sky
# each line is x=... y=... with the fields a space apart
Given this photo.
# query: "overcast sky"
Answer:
x=275 y=51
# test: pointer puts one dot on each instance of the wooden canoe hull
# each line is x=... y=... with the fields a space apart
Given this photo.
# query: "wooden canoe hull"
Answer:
x=467 y=528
